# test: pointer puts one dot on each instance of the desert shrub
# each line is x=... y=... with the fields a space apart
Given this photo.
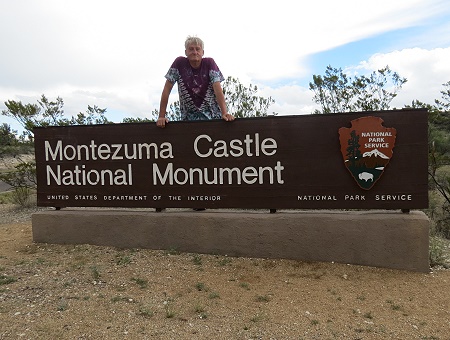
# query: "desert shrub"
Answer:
x=439 y=203
x=443 y=225
x=5 y=198
x=23 y=196
x=437 y=251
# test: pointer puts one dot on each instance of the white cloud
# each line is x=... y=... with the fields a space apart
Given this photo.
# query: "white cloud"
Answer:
x=425 y=70
x=289 y=99
x=114 y=54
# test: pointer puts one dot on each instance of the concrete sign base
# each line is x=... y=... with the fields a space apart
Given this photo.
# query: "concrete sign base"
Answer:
x=388 y=239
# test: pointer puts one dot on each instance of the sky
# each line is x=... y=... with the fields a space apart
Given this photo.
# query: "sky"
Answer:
x=114 y=54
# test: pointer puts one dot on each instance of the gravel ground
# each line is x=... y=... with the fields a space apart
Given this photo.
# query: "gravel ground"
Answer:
x=89 y=292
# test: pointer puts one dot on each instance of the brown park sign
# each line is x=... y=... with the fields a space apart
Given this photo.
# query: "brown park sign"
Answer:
x=362 y=160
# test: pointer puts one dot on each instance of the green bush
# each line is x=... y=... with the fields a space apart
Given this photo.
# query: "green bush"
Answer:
x=437 y=251
x=23 y=196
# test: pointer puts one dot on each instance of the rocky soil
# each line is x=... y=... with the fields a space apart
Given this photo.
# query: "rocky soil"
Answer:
x=89 y=292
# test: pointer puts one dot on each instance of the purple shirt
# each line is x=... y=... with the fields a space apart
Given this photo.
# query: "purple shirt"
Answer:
x=197 y=99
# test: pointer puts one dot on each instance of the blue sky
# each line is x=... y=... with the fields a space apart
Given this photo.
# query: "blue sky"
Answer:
x=421 y=35
x=114 y=54
x=354 y=52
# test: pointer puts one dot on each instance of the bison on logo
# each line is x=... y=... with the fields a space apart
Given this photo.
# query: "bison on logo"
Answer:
x=367 y=146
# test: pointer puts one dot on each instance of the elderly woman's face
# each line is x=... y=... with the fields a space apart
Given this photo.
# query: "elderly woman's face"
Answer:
x=194 y=53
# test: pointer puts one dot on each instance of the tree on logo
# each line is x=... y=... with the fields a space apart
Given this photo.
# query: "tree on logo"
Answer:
x=353 y=152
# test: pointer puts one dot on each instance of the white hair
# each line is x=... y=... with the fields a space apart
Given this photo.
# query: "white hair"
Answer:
x=193 y=40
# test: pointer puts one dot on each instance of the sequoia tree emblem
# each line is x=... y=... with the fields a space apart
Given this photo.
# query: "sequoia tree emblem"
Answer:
x=367 y=147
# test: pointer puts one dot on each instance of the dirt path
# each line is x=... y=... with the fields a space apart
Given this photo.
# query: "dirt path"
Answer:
x=90 y=292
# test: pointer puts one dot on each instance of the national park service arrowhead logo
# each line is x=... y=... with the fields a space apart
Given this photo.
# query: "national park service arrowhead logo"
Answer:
x=367 y=148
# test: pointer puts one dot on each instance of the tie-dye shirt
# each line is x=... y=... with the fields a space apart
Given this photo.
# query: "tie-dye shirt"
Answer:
x=197 y=99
